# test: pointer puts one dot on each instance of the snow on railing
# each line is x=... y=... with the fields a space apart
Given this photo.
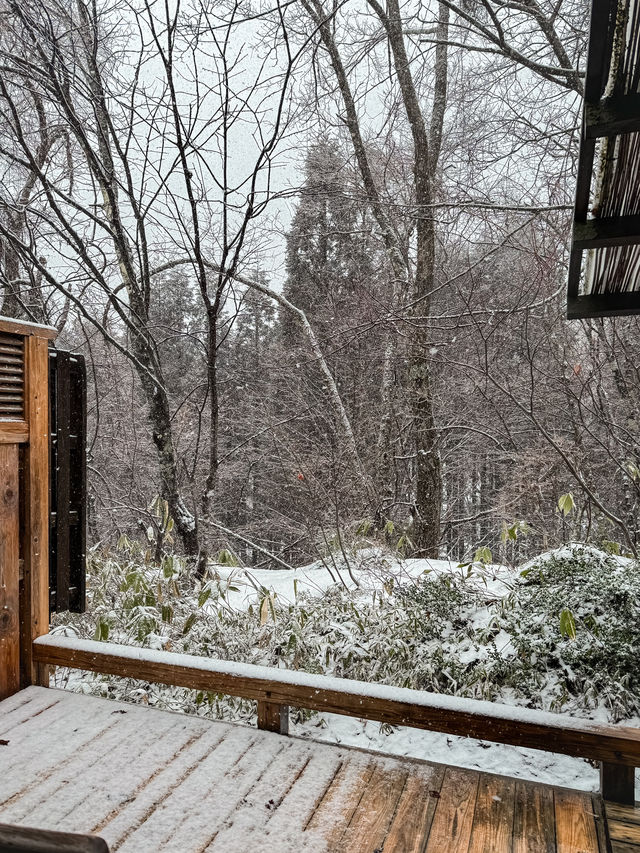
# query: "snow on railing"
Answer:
x=616 y=747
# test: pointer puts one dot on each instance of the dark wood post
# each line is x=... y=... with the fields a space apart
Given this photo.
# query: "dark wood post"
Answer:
x=273 y=717
x=617 y=783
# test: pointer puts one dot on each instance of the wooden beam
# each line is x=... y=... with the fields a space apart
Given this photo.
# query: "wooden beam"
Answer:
x=19 y=327
x=612 y=116
x=583 y=182
x=9 y=571
x=62 y=476
x=609 y=231
x=14 y=432
x=603 y=16
x=396 y=706
x=603 y=305
x=575 y=267
x=35 y=529
x=601 y=32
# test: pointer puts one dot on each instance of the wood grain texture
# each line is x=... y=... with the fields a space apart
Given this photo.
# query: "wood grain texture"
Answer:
x=149 y=780
x=629 y=814
x=35 y=529
x=623 y=831
x=9 y=572
x=19 y=327
x=414 y=814
x=453 y=819
x=14 y=432
x=492 y=830
x=26 y=840
x=600 y=822
x=370 y=822
x=357 y=699
x=575 y=823
x=273 y=718
x=339 y=802
x=534 y=819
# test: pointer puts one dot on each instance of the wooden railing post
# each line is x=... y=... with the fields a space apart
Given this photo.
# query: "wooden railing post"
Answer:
x=617 y=783
x=273 y=717
x=35 y=530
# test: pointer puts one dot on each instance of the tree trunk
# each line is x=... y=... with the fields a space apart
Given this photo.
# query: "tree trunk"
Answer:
x=426 y=152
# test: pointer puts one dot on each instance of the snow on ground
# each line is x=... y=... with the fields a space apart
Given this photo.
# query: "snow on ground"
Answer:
x=368 y=570
x=371 y=570
x=488 y=757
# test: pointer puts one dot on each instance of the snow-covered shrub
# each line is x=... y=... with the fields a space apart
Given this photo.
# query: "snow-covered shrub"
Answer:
x=574 y=622
x=562 y=634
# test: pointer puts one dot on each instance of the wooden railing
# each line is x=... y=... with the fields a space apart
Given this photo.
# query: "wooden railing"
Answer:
x=616 y=748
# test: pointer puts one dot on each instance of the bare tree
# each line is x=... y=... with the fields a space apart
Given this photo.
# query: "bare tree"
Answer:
x=415 y=276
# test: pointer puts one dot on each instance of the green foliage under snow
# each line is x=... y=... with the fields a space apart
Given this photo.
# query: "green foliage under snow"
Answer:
x=561 y=634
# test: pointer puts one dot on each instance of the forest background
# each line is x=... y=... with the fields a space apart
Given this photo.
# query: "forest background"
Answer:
x=315 y=256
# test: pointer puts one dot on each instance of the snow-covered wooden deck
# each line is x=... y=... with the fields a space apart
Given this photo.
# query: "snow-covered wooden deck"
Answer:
x=149 y=780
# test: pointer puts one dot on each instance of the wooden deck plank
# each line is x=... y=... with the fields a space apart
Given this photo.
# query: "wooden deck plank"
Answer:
x=124 y=819
x=622 y=831
x=19 y=707
x=601 y=823
x=24 y=765
x=62 y=733
x=18 y=716
x=414 y=813
x=453 y=819
x=148 y=780
x=492 y=829
x=251 y=817
x=118 y=784
x=206 y=797
x=51 y=795
x=370 y=822
x=618 y=817
x=628 y=814
x=534 y=819
x=575 y=823
x=341 y=799
x=295 y=810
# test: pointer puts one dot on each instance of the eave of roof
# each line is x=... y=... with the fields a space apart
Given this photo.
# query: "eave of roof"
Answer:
x=606 y=281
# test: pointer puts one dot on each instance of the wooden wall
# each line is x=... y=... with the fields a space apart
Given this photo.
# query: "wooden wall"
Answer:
x=24 y=500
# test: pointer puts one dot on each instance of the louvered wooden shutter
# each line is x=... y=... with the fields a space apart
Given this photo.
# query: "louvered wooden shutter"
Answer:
x=11 y=377
x=68 y=490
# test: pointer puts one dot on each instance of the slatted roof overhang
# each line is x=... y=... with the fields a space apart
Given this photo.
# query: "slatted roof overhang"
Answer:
x=604 y=266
